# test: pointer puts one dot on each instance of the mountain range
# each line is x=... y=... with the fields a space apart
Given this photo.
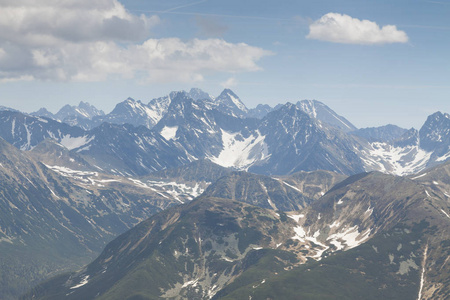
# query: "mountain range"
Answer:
x=371 y=236
x=205 y=198
x=309 y=133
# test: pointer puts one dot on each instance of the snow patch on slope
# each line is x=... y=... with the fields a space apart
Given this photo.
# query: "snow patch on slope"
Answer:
x=240 y=152
x=394 y=160
x=349 y=238
x=192 y=283
x=422 y=175
x=304 y=236
x=292 y=187
x=175 y=190
x=169 y=133
x=75 y=142
x=309 y=108
x=296 y=218
x=84 y=281
x=317 y=243
x=444 y=157
x=27 y=146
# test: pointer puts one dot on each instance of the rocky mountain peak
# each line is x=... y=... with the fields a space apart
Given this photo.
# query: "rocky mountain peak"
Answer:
x=229 y=101
x=309 y=107
x=2 y=108
x=288 y=110
x=180 y=101
x=83 y=110
x=409 y=138
x=91 y=110
x=129 y=106
x=435 y=131
x=320 y=111
x=260 y=111
x=385 y=133
x=43 y=112
x=198 y=94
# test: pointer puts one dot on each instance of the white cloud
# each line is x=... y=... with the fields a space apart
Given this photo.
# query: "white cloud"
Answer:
x=92 y=40
x=337 y=28
x=229 y=83
x=167 y=59
x=50 y=22
x=163 y=60
x=156 y=60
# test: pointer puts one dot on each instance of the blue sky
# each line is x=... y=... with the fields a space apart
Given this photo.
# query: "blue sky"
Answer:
x=347 y=54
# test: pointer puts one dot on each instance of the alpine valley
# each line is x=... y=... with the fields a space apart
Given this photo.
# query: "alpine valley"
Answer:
x=191 y=196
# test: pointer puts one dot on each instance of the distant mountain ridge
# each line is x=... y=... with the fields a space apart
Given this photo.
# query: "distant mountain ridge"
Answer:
x=305 y=136
x=83 y=110
x=79 y=115
x=385 y=133
x=137 y=113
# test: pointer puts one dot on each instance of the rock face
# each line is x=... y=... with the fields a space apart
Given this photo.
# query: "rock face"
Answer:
x=435 y=137
x=367 y=225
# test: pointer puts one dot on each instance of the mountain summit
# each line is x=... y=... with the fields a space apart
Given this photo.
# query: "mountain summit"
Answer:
x=229 y=102
x=83 y=110
x=318 y=110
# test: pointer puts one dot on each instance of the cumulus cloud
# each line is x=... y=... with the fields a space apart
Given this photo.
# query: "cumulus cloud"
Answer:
x=158 y=60
x=51 y=22
x=92 y=40
x=170 y=59
x=338 y=28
